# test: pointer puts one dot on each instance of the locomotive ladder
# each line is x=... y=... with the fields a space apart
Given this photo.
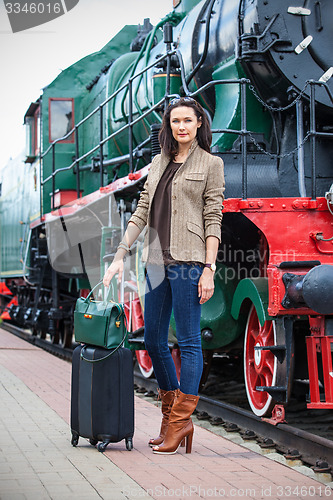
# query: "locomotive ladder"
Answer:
x=319 y=345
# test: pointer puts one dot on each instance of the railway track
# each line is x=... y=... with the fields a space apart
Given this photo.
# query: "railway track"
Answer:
x=289 y=439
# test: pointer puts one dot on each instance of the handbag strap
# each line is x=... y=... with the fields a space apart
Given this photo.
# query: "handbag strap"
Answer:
x=105 y=357
x=121 y=312
x=94 y=288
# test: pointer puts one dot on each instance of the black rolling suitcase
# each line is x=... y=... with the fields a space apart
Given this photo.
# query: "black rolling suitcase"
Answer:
x=102 y=399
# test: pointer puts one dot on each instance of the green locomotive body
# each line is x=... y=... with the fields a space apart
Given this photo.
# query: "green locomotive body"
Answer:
x=19 y=207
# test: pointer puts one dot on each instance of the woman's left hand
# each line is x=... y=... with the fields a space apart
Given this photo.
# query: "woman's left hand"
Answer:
x=206 y=285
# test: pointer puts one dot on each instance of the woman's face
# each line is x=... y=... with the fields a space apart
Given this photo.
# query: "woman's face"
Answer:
x=184 y=124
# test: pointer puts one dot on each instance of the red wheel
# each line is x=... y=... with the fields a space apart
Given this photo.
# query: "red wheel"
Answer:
x=145 y=363
x=260 y=366
x=175 y=353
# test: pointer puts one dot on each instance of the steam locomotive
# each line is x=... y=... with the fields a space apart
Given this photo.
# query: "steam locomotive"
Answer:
x=263 y=72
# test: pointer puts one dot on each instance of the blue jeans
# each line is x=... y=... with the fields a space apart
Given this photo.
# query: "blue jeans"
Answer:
x=174 y=287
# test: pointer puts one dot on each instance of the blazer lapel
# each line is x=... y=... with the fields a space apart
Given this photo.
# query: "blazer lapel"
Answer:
x=193 y=147
x=164 y=162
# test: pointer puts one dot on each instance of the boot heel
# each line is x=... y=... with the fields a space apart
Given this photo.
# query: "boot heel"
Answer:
x=189 y=440
x=182 y=444
x=180 y=425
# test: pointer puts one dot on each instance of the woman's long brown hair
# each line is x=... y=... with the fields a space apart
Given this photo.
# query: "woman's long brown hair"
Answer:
x=168 y=143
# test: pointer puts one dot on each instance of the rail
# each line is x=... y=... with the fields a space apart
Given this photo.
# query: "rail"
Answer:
x=244 y=133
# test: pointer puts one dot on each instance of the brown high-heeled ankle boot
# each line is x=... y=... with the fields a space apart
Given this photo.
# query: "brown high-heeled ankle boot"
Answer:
x=167 y=398
x=180 y=426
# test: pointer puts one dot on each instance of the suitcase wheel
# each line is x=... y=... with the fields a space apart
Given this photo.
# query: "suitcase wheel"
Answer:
x=93 y=442
x=129 y=444
x=102 y=446
x=75 y=439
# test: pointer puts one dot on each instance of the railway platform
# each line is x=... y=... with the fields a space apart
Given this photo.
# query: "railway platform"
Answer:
x=37 y=460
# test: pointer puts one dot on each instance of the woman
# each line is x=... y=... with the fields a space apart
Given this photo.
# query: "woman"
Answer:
x=181 y=204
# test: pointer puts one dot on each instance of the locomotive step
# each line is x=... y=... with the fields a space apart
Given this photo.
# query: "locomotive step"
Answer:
x=279 y=351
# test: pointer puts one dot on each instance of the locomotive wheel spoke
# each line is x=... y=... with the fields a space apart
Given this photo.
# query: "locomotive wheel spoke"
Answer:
x=268 y=371
x=143 y=359
x=65 y=334
x=55 y=338
x=144 y=362
x=41 y=334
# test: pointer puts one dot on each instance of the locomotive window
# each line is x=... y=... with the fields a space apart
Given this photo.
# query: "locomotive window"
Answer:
x=30 y=136
x=37 y=131
x=32 y=127
x=61 y=119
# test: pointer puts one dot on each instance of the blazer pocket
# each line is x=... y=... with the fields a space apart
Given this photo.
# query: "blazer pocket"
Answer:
x=196 y=229
x=195 y=176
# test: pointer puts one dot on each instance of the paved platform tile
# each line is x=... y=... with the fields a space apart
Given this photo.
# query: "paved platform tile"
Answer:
x=35 y=464
x=35 y=387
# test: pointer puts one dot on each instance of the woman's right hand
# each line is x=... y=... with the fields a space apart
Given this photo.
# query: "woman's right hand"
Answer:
x=117 y=267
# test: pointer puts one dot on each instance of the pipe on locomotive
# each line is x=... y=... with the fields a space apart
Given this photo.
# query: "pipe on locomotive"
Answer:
x=313 y=289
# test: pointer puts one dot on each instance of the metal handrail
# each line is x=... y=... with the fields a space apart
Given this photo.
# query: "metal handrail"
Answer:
x=99 y=146
x=243 y=132
x=112 y=96
x=106 y=139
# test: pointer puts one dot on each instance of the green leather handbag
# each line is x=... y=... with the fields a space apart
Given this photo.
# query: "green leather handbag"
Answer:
x=99 y=323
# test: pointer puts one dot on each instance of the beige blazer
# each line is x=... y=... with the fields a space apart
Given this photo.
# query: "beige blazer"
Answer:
x=196 y=203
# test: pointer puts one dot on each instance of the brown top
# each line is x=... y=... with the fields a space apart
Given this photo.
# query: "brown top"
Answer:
x=196 y=208
x=160 y=215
